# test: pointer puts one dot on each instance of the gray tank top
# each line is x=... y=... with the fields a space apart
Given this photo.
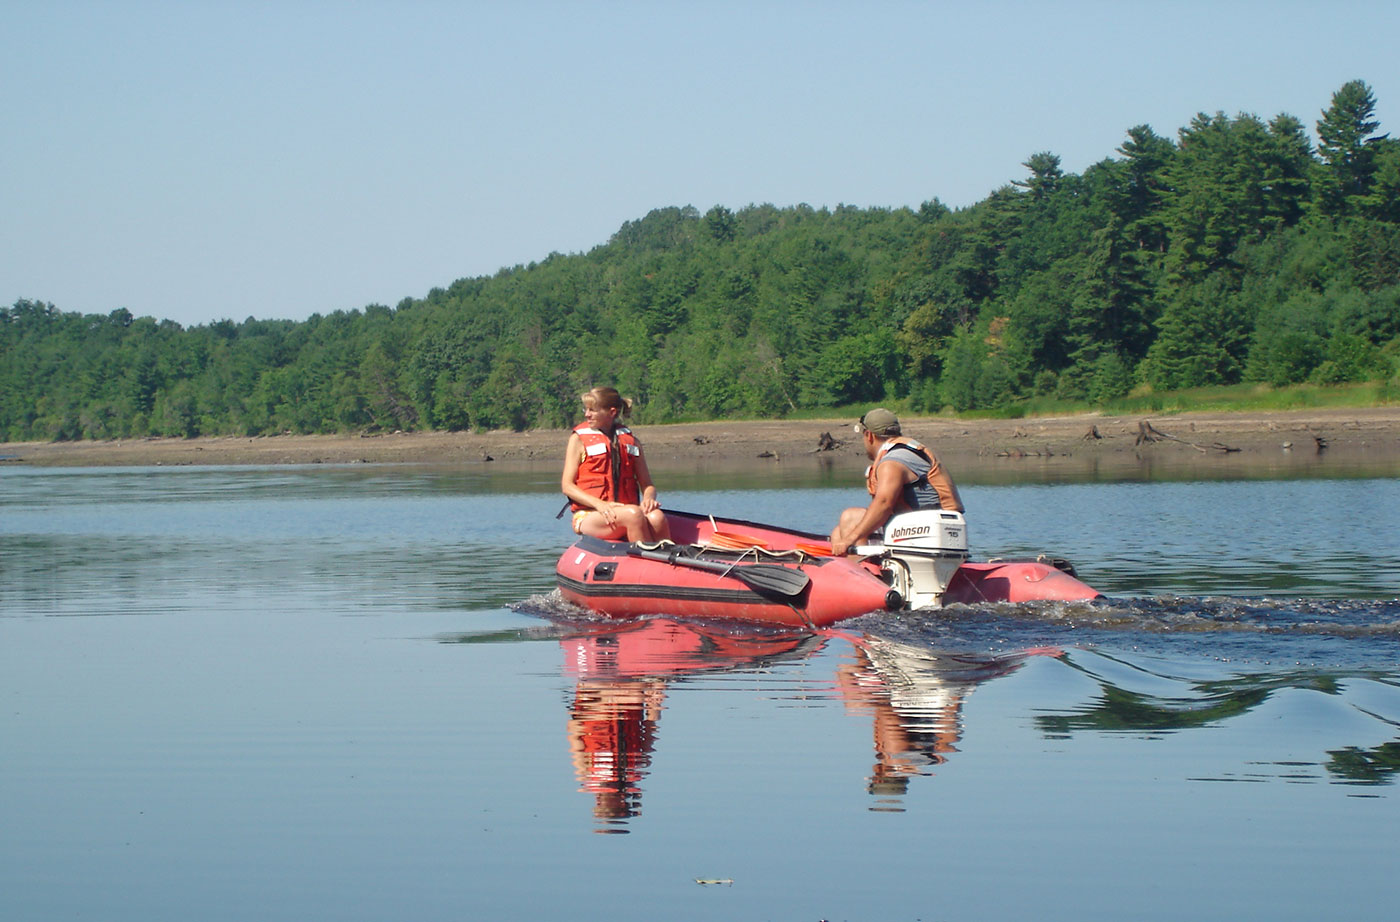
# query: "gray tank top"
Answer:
x=920 y=494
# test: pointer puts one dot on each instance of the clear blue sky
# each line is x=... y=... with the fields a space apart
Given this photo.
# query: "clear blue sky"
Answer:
x=202 y=160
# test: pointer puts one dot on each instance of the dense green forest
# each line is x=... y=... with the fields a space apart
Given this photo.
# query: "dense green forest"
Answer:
x=1238 y=252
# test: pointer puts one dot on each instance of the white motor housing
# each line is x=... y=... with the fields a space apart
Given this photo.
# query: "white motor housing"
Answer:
x=922 y=550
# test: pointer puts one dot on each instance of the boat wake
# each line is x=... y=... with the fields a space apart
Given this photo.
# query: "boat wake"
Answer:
x=553 y=606
x=1363 y=634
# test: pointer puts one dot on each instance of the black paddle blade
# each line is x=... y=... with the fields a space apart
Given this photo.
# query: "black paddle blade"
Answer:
x=765 y=577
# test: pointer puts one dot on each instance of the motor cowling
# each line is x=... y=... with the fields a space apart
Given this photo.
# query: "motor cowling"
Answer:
x=921 y=552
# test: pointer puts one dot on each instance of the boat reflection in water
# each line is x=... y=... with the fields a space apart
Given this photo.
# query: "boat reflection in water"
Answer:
x=913 y=694
x=898 y=674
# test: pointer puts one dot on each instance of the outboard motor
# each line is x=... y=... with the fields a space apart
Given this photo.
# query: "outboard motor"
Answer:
x=921 y=552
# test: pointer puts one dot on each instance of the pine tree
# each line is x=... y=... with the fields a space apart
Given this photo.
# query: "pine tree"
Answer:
x=1347 y=149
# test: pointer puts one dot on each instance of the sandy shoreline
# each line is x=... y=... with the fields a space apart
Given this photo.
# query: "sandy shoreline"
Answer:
x=1185 y=438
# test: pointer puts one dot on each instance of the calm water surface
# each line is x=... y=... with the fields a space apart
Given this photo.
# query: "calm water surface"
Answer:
x=350 y=693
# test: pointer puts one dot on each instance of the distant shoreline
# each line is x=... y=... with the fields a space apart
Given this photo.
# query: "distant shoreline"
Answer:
x=1186 y=438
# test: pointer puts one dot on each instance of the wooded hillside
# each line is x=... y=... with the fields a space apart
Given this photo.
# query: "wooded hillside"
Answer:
x=1237 y=251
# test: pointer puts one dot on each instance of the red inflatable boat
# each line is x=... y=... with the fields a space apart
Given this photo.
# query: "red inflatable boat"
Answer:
x=751 y=572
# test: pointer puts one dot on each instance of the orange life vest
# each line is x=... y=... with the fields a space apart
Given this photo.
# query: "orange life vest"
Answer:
x=595 y=470
x=936 y=480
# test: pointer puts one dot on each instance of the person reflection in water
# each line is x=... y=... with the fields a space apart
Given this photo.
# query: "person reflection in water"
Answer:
x=612 y=724
x=916 y=715
x=621 y=674
x=612 y=729
x=915 y=696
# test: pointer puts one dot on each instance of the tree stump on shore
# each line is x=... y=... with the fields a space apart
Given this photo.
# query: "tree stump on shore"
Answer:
x=1149 y=433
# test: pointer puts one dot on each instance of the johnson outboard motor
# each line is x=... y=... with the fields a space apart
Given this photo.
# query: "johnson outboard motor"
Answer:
x=920 y=553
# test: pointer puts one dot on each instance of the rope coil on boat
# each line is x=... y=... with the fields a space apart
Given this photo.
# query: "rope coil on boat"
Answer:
x=800 y=553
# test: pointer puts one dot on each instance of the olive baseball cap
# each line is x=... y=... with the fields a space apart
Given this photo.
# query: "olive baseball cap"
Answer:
x=879 y=421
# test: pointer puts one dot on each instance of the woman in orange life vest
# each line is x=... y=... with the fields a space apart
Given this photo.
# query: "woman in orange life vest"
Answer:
x=606 y=477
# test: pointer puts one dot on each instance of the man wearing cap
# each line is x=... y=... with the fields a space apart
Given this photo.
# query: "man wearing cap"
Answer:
x=903 y=475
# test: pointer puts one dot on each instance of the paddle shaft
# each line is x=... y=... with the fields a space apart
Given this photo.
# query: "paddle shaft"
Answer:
x=762 y=577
